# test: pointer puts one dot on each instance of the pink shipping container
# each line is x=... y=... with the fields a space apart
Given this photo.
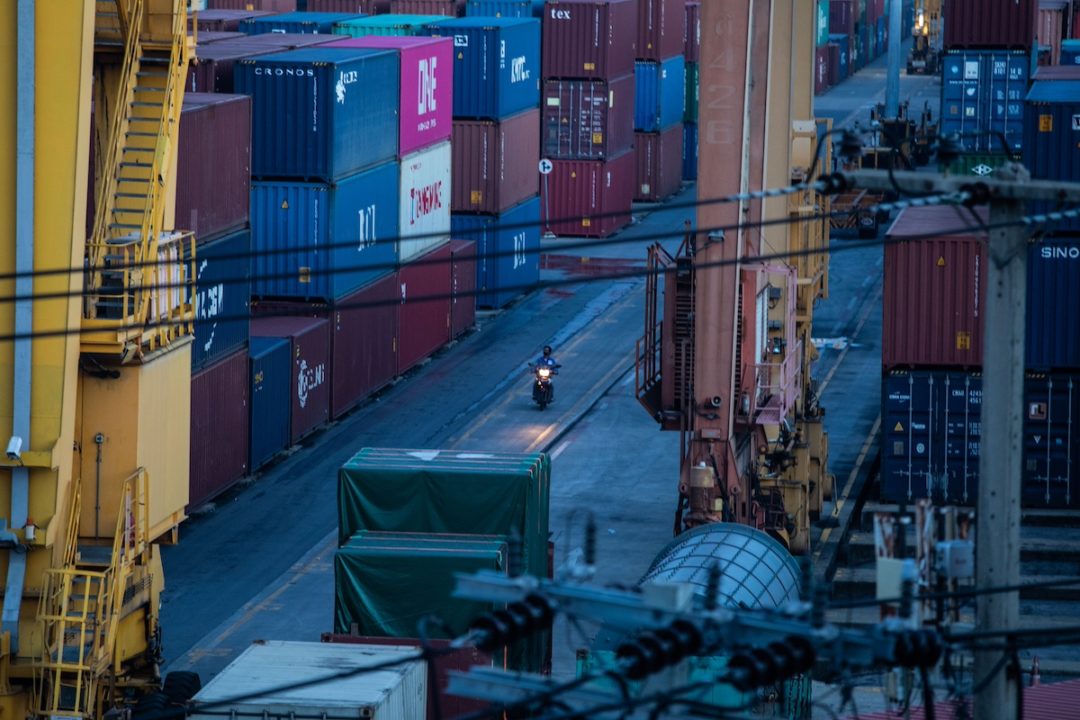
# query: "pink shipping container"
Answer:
x=213 y=172
x=990 y=24
x=224 y=20
x=424 y=309
x=310 y=338
x=219 y=427
x=934 y=291
x=842 y=17
x=361 y=7
x=452 y=8
x=692 y=32
x=462 y=286
x=1050 y=30
x=589 y=198
x=659 y=164
x=588 y=119
x=590 y=39
x=821 y=70
x=661 y=28
x=274 y=6
x=427 y=86
x=495 y=163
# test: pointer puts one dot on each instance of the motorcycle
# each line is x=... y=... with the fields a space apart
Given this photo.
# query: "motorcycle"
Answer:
x=543 y=392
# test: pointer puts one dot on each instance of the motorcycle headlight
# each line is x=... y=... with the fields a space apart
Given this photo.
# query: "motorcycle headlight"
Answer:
x=544 y=372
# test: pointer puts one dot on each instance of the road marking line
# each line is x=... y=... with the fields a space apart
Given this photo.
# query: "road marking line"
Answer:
x=559 y=450
x=841 y=497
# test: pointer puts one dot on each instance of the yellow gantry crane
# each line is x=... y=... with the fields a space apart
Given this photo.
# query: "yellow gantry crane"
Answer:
x=95 y=354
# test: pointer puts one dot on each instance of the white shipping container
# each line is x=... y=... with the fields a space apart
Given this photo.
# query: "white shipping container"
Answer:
x=425 y=200
x=399 y=693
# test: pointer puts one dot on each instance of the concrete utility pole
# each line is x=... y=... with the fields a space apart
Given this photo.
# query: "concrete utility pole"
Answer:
x=892 y=80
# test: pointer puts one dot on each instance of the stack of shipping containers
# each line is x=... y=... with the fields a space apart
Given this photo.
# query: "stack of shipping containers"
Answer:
x=692 y=55
x=588 y=115
x=821 y=47
x=659 y=98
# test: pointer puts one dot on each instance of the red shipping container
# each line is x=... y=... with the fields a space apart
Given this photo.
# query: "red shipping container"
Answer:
x=219 y=427
x=934 y=290
x=274 y=6
x=361 y=7
x=495 y=163
x=821 y=70
x=842 y=17
x=462 y=286
x=659 y=164
x=452 y=8
x=589 y=198
x=589 y=38
x=424 y=309
x=692 y=32
x=1050 y=30
x=998 y=24
x=310 y=338
x=588 y=119
x=223 y=20
x=661 y=28
x=213 y=171
x=833 y=56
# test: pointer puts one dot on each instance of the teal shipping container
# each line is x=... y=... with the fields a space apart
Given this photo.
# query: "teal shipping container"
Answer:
x=393 y=24
x=505 y=8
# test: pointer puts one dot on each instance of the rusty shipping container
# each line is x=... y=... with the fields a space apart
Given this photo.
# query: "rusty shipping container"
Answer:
x=997 y=24
x=588 y=119
x=310 y=392
x=589 y=198
x=462 y=286
x=274 y=6
x=692 y=32
x=661 y=29
x=219 y=427
x=223 y=20
x=450 y=8
x=495 y=162
x=659 y=164
x=934 y=291
x=424 y=309
x=363 y=7
x=589 y=39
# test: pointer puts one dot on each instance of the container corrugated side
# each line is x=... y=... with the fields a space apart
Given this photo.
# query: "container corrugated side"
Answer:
x=310 y=392
x=448 y=8
x=302 y=23
x=660 y=94
x=1051 y=440
x=390 y=24
x=588 y=198
x=659 y=164
x=935 y=291
x=821 y=70
x=982 y=24
x=424 y=211
x=223 y=20
x=318 y=241
x=589 y=39
x=212 y=67
x=661 y=28
x=507 y=251
x=692 y=32
x=275 y=6
x=1049 y=29
x=321 y=114
x=462 y=286
x=222 y=293
x=495 y=162
x=842 y=16
x=504 y=8
x=271 y=398
x=689 y=157
x=364 y=344
x=219 y=427
x=983 y=95
x=1053 y=305
x=359 y=7
x=424 y=312
x=588 y=119
x=1052 y=138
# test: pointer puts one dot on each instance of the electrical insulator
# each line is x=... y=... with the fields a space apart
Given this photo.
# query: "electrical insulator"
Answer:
x=771 y=664
x=652 y=651
x=917 y=648
x=516 y=621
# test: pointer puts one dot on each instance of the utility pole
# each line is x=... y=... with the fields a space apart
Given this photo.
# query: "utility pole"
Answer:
x=892 y=80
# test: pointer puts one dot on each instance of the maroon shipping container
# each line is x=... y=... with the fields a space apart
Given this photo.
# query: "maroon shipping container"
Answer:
x=821 y=70
x=692 y=32
x=219 y=427
x=462 y=286
x=876 y=9
x=661 y=28
x=495 y=163
x=361 y=7
x=274 y=6
x=213 y=172
x=588 y=119
x=1051 y=30
x=588 y=198
x=211 y=70
x=842 y=17
x=310 y=338
x=833 y=57
x=659 y=164
x=452 y=8
x=589 y=39
x=223 y=20
x=452 y=706
x=934 y=290
x=990 y=23
x=206 y=37
x=423 y=324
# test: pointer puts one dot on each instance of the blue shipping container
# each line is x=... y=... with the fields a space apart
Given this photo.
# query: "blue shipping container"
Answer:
x=660 y=94
x=1070 y=52
x=1052 y=137
x=1053 y=300
x=982 y=98
x=496 y=65
x=270 y=361
x=504 y=8
x=321 y=114
x=222 y=290
x=689 y=152
x=306 y=23
x=844 y=44
x=317 y=241
x=507 y=260
x=1051 y=440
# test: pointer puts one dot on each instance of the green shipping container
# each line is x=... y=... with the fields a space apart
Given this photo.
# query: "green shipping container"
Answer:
x=387 y=25
x=822 y=23
x=693 y=92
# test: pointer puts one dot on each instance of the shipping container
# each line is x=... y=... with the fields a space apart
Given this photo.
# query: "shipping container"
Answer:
x=935 y=287
x=693 y=92
x=1052 y=139
x=588 y=119
x=496 y=65
x=821 y=24
x=1070 y=50
x=448 y=8
x=207 y=37
x=843 y=43
x=222 y=295
x=223 y=20
x=589 y=39
x=391 y=24
x=692 y=32
x=690 y=141
x=661 y=29
x=1051 y=440
x=301 y=23
x=462 y=287
x=427 y=86
x=495 y=162
x=219 y=427
x=400 y=694
x=424 y=210
x=842 y=16
x=833 y=54
x=983 y=98
x=358 y=7
x=660 y=94
x=659 y=164
x=1051 y=27
x=1053 y=301
x=321 y=114
x=507 y=251
x=274 y=6
x=588 y=198
x=505 y=8
x=213 y=170
x=309 y=339
x=981 y=164
x=318 y=241
x=821 y=70
x=982 y=24
x=270 y=376
x=424 y=312
x=212 y=66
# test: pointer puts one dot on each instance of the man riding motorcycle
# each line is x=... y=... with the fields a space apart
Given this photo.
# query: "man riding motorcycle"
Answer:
x=543 y=391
